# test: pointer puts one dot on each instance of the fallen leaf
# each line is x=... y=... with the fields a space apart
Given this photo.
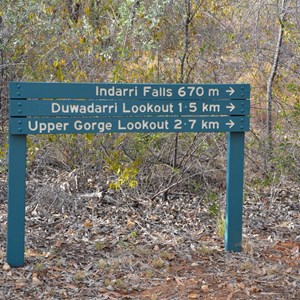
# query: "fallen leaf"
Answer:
x=72 y=286
x=193 y=295
x=293 y=263
x=230 y=287
x=297 y=240
x=178 y=281
x=130 y=224
x=88 y=223
x=170 y=255
x=241 y=286
x=6 y=267
x=254 y=289
x=36 y=281
x=58 y=244
x=156 y=248
x=20 y=284
x=295 y=250
x=204 y=288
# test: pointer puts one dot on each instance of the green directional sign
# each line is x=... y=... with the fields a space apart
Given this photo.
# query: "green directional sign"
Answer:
x=132 y=124
x=128 y=107
x=29 y=90
x=63 y=108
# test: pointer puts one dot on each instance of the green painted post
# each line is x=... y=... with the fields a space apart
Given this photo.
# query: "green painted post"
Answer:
x=16 y=200
x=196 y=108
x=234 y=191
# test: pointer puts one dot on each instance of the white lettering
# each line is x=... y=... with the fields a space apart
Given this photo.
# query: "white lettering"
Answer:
x=157 y=92
x=143 y=125
x=213 y=92
x=148 y=108
x=84 y=108
x=204 y=107
x=92 y=126
x=209 y=125
x=125 y=110
x=200 y=91
x=146 y=90
x=116 y=91
x=55 y=108
x=47 y=127
x=210 y=107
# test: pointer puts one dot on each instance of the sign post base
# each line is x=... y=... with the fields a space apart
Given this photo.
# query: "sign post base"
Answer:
x=16 y=200
x=234 y=191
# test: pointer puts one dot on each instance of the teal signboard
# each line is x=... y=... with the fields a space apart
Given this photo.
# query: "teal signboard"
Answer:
x=128 y=107
x=131 y=124
x=31 y=90
x=62 y=108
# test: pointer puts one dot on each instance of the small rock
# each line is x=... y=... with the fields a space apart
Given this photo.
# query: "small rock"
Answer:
x=110 y=288
x=204 y=288
x=36 y=281
x=297 y=240
x=20 y=283
x=109 y=200
x=6 y=267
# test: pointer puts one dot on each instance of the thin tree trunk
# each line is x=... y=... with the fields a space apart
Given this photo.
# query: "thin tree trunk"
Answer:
x=272 y=77
x=188 y=21
x=183 y=59
x=183 y=78
x=2 y=74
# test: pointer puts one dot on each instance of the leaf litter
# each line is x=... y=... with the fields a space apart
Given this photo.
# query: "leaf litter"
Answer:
x=114 y=245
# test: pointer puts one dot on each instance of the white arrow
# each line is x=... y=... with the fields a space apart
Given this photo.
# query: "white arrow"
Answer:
x=230 y=91
x=231 y=107
x=230 y=123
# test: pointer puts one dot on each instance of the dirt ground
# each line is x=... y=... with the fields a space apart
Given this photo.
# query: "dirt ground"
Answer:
x=83 y=246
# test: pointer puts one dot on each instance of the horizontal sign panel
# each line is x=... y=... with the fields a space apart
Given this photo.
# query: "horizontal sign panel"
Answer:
x=58 y=90
x=107 y=125
x=128 y=108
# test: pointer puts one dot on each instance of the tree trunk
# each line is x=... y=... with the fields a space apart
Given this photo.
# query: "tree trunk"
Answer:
x=272 y=76
x=2 y=75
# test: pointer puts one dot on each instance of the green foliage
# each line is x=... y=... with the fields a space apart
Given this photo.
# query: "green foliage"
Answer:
x=296 y=112
x=158 y=263
x=133 y=234
x=3 y=151
x=102 y=264
x=34 y=144
x=286 y=159
x=213 y=203
x=79 y=276
x=149 y=273
x=125 y=171
x=149 y=41
x=221 y=226
x=99 y=246
x=264 y=181
x=39 y=267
